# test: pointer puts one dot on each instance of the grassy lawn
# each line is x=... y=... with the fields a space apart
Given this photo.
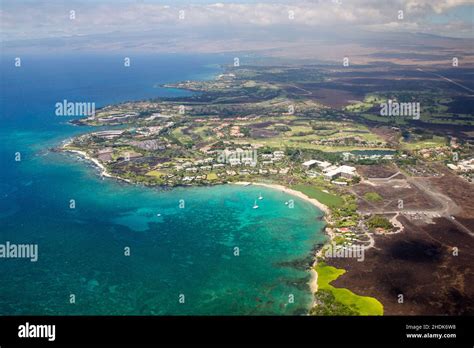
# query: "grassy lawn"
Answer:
x=178 y=134
x=212 y=176
x=155 y=173
x=331 y=131
x=362 y=106
x=366 y=305
x=437 y=141
x=304 y=142
x=311 y=191
x=201 y=131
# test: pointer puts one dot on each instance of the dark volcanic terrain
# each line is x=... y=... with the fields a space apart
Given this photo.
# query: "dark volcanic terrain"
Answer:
x=420 y=264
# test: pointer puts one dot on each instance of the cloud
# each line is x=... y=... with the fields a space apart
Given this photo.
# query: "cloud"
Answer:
x=48 y=19
x=437 y=6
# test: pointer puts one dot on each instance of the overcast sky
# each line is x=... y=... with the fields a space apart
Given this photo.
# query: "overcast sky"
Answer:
x=22 y=19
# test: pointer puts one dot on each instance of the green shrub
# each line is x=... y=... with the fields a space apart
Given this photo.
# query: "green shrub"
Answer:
x=378 y=221
x=373 y=197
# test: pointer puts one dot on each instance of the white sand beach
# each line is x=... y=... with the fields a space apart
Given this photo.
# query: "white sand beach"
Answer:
x=284 y=189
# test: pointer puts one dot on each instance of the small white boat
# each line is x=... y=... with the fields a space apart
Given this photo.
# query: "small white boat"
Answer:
x=255 y=206
x=158 y=214
x=286 y=203
x=260 y=197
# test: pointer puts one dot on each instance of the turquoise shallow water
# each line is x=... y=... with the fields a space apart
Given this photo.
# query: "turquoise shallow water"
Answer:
x=187 y=251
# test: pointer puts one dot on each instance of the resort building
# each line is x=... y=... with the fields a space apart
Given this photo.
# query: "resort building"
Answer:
x=323 y=164
x=342 y=171
x=108 y=134
x=278 y=155
x=313 y=163
x=463 y=166
x=309 y=164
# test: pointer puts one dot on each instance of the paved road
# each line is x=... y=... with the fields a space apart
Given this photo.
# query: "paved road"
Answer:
x=447 y=210
x=462 y=227
x=447 y=79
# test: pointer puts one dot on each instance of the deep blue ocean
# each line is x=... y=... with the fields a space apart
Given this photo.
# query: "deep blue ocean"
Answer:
x=186 y=251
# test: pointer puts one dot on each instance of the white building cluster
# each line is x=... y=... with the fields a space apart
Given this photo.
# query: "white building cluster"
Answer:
x=463 y=166
x=331 y=171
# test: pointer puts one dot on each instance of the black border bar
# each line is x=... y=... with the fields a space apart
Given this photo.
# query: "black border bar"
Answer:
x=310 y=330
